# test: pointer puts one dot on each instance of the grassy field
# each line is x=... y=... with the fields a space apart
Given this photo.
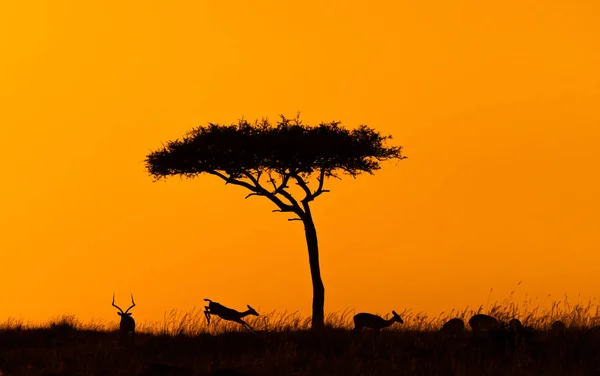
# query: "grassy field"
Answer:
x=183 y=345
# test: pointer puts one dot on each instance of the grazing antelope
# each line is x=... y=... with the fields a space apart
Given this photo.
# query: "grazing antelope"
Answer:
x=127 y=324
x=369 y=320
x=214 y=308
x=452 y=327
x=481 y=323
x=515 y=325
x=519 y=333
x=558 y=328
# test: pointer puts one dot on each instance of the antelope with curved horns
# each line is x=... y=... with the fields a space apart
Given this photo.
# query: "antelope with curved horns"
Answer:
x=369 y=320
x=127 y=324
x=214 y=308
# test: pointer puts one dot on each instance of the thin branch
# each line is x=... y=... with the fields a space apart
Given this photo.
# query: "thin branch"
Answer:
x=290 y=198
x=260 y=190
x=284 y=180
x=311 y=195
x=230 y=180
x=281 y=190
x=253 y=180
x=272 y=180
x=320 y=190
x=303 y=185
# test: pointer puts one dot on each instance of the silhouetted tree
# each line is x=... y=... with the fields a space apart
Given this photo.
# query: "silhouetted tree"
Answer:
x=264 y=159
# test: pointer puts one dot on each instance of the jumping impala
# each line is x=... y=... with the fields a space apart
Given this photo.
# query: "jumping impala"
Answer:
x=369 y=320
x=214 y=308
x=127 y=324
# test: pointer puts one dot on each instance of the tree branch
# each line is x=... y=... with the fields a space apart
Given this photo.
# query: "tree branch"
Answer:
x=303 y=185
x=290 y=219
x=282 y=186
x=290 y=198
x=281 y=189
x=230 y=180
x=309 y=194
x=260 y=190
x=320 y=190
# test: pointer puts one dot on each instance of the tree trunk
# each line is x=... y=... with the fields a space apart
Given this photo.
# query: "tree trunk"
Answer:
x=318 y=307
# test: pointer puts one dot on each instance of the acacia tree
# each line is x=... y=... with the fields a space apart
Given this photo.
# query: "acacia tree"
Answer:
x=266 y=158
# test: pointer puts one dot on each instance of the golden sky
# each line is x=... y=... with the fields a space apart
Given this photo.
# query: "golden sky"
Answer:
x=496 y=105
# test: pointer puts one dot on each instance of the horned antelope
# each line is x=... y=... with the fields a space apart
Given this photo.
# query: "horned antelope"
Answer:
x=127 y=324
x=452 y=328
x=214 y=308
x=369 y=320
x=481 y=323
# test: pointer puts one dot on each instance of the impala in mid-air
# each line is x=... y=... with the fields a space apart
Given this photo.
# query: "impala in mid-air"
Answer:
x=214 y=308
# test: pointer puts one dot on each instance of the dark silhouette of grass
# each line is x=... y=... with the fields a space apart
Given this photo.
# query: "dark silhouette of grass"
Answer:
x=284 y=345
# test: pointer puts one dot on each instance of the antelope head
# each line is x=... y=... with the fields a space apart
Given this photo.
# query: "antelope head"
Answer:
x=396 y=318
x=251 y=311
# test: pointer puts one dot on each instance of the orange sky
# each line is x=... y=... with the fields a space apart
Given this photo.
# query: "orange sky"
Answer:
x=495 y=105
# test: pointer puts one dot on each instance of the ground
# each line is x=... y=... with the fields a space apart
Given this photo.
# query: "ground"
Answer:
x=284 y=345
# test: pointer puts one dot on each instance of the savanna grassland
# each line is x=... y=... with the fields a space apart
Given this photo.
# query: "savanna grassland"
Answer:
x=283 y=345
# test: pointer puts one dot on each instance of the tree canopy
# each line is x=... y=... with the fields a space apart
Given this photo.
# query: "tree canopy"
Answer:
x=284 y=148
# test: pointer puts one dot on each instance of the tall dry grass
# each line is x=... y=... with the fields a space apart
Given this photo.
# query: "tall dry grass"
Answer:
x=193 y=322
x=284 y=345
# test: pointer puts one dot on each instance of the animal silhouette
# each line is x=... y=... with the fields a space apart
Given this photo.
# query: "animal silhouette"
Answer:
x=515 y=325
x=481 y=324
x=127 y=324
x=519 y=333
x=452 y=328
x=558 y=328
x=369 y=320
x=214 y=308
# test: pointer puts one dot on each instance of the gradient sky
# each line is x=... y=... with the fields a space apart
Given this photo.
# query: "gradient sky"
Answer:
x=496 y=105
